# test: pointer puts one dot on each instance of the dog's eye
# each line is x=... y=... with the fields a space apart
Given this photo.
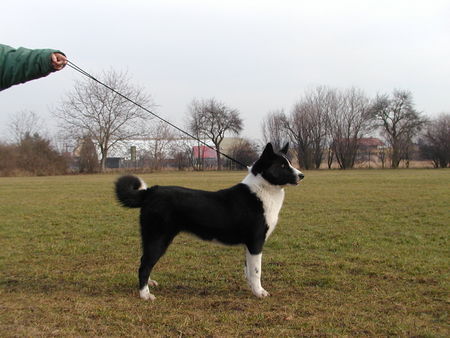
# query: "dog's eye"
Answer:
x=283 y=166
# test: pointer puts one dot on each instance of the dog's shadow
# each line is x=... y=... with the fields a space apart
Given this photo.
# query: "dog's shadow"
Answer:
x=91 y=288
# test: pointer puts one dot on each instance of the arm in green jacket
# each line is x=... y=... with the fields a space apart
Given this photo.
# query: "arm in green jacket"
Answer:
x=22 y=64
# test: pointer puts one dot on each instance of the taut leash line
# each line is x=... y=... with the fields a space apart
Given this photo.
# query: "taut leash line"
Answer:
x=80 y=70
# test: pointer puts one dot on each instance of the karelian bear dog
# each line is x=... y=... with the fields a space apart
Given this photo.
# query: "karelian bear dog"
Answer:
x=243 y=214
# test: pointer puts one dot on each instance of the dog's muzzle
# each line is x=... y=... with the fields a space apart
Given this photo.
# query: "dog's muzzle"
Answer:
x=298 y=177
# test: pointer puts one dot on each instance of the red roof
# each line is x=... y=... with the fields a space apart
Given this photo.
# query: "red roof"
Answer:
x=204 y=152
x=370 y=142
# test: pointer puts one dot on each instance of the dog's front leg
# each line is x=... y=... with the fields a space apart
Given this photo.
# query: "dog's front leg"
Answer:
x=253 y=273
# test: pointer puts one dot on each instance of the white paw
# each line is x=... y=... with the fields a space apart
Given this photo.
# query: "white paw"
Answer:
x=145 y=294
x=152 y=282
x=261 y=293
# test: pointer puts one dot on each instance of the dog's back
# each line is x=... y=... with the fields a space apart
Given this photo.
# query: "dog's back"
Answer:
x=227 y=215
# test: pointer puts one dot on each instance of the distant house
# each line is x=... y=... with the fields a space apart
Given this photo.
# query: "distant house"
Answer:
x=204 y=157
x=204 y=153
x=370 y=144
x=371 y=149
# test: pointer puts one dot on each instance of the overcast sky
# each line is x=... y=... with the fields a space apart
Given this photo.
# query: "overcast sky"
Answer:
x=255 y=56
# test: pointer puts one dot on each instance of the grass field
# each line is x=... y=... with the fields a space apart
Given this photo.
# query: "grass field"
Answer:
x=355 y=253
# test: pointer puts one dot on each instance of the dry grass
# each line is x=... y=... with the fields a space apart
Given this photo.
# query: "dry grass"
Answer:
x=355 y=253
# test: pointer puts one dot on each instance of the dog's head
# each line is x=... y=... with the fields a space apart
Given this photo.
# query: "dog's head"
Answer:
x=275 y=167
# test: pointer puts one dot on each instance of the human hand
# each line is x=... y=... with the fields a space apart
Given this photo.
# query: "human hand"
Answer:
x=58 y=61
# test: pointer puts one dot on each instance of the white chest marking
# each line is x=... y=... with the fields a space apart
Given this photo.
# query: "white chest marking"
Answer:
x=271 y=197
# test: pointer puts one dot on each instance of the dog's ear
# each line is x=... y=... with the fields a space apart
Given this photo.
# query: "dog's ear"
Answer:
x=285 y=149
x=264 y=159
x=268 y=150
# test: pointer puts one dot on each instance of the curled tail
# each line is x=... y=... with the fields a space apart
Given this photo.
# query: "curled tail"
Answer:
x=131 y=191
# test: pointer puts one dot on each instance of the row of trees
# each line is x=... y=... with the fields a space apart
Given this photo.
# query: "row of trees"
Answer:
x=93 y=111
x=330 y=123
x=434 y=143
x=31 y=155
x=29 y=152
x=161 y=147
x=326 y=123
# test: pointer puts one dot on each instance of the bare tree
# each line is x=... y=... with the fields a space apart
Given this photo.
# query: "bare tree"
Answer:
x=245 y=151
x=382 y=154
x=161 y=136
x=182 y=152
x=399 y=122
x=109 y=118
x=320 y=101
x=88 y=156
x=194 y=124
x=212 y=119
x=350 y=119
x=306 y=126
x=435 y=143
x=38 y=157
x=185 y=154
x=9 y=158
x=273 y=129
x=24 y=123
x=298 y=127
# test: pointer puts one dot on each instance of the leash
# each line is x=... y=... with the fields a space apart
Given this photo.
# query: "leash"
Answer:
x=82 y=71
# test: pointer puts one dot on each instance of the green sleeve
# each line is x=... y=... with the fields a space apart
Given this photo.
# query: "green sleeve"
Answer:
x=22 y=64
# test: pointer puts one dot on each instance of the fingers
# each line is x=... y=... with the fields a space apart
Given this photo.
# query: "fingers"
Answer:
x=58 y=61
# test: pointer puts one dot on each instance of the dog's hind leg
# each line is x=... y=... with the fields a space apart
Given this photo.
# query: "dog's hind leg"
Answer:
x=253 y=273
x=152 y=252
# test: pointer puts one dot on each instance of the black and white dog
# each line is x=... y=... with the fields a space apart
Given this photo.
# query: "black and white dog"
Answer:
x=243 y=214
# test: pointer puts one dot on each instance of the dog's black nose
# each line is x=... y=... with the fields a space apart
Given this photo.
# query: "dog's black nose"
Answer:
x=301 y=176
